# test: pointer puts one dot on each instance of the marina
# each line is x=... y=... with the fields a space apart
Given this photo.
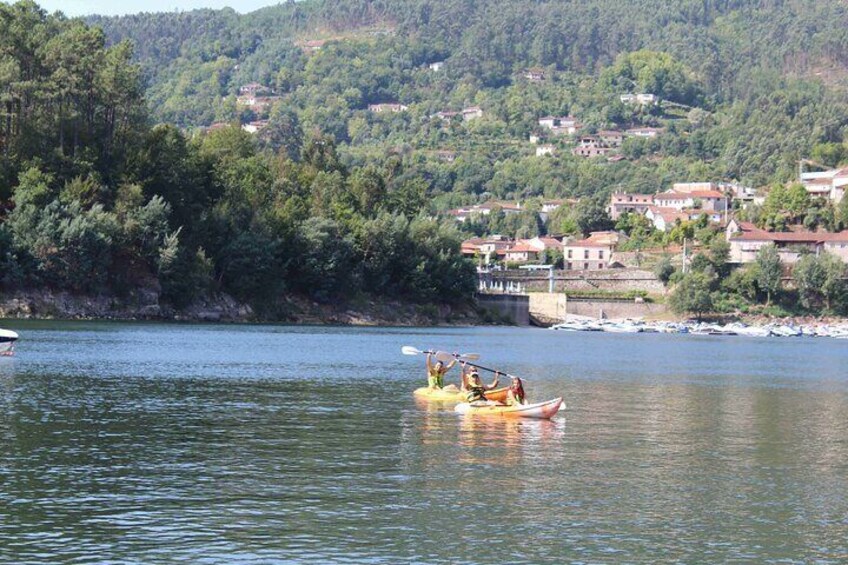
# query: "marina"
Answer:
x=774 y=329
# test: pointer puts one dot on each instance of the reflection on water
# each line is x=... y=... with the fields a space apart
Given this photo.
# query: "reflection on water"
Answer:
x=261 y=444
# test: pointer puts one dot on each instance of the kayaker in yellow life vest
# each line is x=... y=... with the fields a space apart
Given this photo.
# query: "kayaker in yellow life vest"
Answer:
x=472 y=385
x=515 y=395
x=436 y=373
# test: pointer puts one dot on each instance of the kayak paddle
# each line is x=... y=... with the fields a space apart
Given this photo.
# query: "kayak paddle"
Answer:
x=496 y=371
x=440 y=355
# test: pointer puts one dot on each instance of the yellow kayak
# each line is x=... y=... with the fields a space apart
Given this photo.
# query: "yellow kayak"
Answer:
x=456 y=395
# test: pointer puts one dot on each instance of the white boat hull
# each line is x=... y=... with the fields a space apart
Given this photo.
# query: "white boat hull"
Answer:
x=7 y=341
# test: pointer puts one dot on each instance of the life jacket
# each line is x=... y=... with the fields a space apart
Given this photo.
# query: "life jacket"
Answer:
x=475 y=393
x=435 y=378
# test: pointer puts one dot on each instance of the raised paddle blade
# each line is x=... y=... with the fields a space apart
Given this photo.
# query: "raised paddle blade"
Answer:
x=444 y=356
x=469 y=356
x=409 y=350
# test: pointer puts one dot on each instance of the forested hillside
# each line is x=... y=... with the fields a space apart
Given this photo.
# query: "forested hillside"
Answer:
x=208 y=150
x=94 y=199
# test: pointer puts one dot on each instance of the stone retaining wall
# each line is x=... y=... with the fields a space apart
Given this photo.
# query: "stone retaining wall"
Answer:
x=515 y=307
x=551 y=308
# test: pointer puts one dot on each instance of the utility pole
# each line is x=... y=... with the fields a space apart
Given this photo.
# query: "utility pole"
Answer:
x=685 y=256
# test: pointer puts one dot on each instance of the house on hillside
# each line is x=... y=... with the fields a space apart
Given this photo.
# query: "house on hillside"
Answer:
x=549 y=206
x=255 y=126
x=253 y=89
x=392 y=107
x=590 y=146
x=830 y=184
x=446 y=115
x=592 y=253
x=255 y=102
x=534 y=75
x=711 y=200
x=621 y=202
x=466 y=212
x=437 y=66
x=648 y=133
x=490 y=248
x=522 y=252
x=446 y=155
x=467 y=114
x=733 y=191
x=642 y=99
x=472 y=113
x=746 y=240
x=546 y=149
x=611 y=138
x=664 y=218
x=560 y=125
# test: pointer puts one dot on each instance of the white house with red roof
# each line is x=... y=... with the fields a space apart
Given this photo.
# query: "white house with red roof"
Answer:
x=491 y=247
x=592 y=253
x=522 y=252
x=665 y=218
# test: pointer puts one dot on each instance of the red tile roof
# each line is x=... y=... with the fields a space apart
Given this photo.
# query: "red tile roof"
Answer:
x=522 y=247
x=790 y=237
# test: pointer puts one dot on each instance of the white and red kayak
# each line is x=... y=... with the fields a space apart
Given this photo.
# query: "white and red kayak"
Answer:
x=540 y=410
x=7 y=341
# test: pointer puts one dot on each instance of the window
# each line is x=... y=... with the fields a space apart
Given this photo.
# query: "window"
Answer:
x=601 y=254
x=569 y=267
x=569 y=255
x=601 y=266
x=585 y=266
x=585 y=253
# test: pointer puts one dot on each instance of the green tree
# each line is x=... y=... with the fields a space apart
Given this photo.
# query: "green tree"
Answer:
x=769 y=271
x=692 y=294
x=664 y=269
x=809 y=279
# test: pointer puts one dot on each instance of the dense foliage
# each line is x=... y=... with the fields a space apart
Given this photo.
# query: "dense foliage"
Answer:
x=94 y=199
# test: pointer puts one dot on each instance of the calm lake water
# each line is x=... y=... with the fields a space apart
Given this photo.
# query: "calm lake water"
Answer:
x=155 y=443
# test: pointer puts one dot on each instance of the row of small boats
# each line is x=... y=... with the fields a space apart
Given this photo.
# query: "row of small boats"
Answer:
x=700 y=328
x=496 y=397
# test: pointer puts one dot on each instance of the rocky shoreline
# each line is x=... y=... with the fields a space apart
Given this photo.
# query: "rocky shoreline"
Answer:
x=145 y=305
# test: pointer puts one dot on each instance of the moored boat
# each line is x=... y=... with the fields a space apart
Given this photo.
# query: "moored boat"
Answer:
x=7 y=341
x=540 y=410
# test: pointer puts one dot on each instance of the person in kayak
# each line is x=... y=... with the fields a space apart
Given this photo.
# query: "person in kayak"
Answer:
x=467 y=370
x=515 y=395
x=475 y=390
x=436 y=372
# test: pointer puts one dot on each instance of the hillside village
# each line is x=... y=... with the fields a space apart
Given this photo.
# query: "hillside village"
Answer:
x=666 y=221
x=607 y=257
